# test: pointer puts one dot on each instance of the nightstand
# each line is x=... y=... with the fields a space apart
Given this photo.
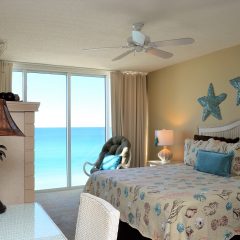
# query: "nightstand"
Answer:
x=152 y=163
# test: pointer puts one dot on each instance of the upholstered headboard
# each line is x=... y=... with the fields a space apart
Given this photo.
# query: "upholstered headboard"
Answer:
x=231 y=130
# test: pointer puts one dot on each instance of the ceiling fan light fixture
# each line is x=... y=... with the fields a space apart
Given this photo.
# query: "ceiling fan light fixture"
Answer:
x=138 y=38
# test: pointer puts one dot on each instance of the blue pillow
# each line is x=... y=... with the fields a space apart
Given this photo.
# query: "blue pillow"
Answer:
x=214 y=162
x=110 y=162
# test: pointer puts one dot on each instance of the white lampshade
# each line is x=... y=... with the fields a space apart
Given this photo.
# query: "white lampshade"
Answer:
x=165 y=137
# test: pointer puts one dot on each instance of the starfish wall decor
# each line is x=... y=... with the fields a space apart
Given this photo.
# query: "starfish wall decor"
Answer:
x=236 y=84
x=210 y=103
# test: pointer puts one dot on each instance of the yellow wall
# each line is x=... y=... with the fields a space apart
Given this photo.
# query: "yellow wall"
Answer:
x=173 y=94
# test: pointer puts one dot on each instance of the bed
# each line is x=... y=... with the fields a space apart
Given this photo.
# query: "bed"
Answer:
x=177 y=201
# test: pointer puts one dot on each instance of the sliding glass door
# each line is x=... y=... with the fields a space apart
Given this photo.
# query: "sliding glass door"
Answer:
x=50 y=129
x=70 y=125
x=87 y=122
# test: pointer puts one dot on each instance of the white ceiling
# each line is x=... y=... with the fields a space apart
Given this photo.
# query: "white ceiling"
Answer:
x=55 y=31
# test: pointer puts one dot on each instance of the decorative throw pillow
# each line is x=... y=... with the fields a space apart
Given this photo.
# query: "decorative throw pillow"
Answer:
x=110 y=162
x=224 y=147
x=191 y=148
x=217 y=146
x=222 y=139
x=214 y=162
x=235 y=171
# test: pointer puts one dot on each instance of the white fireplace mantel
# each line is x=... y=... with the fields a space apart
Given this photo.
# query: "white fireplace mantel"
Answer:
x=23 y=106
x=17 y=170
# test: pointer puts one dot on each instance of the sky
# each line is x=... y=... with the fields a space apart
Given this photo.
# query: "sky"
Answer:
x=87 y=99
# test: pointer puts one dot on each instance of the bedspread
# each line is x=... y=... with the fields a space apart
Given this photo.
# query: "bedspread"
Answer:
x=172 y=201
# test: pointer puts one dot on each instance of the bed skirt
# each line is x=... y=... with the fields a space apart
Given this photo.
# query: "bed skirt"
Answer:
x=126 y=232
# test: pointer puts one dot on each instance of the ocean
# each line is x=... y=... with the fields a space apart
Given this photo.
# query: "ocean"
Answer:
x=51 y=152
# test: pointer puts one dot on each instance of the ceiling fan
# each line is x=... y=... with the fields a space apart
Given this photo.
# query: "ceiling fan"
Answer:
x=139 y=42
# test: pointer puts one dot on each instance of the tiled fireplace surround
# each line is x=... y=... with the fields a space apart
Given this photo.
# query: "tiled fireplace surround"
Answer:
x=17 y=170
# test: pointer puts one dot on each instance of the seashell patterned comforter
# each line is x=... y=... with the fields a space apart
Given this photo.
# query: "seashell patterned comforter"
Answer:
x=172 y=201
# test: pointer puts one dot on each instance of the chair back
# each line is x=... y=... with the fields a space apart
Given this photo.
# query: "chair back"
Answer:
x=115 y=145
x=97 y=219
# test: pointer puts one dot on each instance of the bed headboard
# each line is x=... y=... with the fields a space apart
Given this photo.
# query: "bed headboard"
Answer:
x=231 y=130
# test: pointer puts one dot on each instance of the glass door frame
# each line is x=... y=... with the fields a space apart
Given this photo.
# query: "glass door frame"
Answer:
x=25 y=69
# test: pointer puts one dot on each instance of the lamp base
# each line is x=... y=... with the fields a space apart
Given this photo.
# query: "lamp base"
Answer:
x=165 y=155
x=2 y=207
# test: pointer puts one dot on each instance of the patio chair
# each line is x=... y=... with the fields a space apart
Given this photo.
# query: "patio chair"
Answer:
x=115 y=154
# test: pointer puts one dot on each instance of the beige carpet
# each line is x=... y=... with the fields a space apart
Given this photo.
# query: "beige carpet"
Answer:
x=62 y=207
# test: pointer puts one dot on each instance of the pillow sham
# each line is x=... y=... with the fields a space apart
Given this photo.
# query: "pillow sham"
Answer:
x=222 y=139
x=235 y=171
x=191 y=148
x=110 y=162
x=214 y=162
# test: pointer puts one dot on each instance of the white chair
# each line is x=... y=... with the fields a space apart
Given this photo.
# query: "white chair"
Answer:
x=97 y=219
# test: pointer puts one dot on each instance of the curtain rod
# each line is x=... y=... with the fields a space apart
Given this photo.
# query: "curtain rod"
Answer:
x=37 y=66
x=131 y=72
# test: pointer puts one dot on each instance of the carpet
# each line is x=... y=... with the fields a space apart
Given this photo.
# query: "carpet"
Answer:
x=62 y=207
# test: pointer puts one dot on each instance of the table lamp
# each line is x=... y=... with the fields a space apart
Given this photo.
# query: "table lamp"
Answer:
x=164 y=138
x=7 y=128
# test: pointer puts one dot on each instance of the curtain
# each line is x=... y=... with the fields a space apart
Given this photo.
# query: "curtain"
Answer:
x=5 y=76
x=129 y=112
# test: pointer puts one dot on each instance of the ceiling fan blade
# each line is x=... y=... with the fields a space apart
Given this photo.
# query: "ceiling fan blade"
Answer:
x=172 y=42
x=123 y=55
x=99 y=48
x=158 y=52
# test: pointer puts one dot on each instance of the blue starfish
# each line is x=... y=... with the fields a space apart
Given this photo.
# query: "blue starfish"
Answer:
x=210 y=103
x=236 y=84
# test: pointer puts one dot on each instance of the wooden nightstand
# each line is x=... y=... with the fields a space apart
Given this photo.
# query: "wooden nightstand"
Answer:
x=152 y=163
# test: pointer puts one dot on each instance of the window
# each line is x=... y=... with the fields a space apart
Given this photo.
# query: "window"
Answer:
x=70 y=126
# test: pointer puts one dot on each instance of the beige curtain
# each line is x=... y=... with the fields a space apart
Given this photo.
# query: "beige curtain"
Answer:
x=5 y=76
x=129 y=112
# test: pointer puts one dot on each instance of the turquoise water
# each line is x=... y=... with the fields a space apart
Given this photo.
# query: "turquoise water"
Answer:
x=51 y=151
